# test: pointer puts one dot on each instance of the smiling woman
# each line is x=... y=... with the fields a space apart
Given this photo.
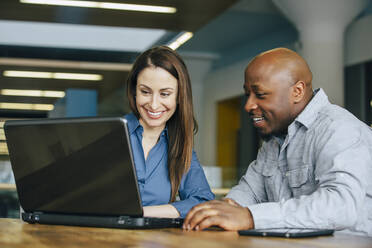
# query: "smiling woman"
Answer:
x=161 y=131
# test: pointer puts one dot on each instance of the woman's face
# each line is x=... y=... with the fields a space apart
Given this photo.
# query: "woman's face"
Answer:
x=156 y=96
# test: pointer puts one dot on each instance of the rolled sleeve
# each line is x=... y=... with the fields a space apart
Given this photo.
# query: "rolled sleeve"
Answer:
x=194 y=188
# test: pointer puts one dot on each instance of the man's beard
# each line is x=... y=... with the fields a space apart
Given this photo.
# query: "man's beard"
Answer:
x=265 y=136
x=269 y=136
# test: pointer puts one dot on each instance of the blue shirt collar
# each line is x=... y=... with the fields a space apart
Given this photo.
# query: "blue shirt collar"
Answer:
x=134 y=124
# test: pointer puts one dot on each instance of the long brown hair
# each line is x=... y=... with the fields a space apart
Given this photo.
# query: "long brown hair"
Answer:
x=182 y=125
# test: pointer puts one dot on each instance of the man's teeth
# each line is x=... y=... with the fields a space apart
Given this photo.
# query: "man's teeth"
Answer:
x=154 y=113
x=258 y=118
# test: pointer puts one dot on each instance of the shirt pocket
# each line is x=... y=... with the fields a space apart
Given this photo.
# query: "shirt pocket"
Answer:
x=272 y=179
x=301 y=181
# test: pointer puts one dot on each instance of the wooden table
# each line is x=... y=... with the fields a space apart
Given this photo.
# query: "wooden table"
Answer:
x=15 y=233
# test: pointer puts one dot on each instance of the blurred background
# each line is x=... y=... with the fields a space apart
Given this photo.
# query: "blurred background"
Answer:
x=67 y=58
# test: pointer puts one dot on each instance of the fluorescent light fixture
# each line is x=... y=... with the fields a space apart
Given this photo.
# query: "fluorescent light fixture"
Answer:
x=27 y=74
x=38 y=93
x=77 y=76
x=185 y=36
x=26 y=106
x=53 y=75
x=106 y=5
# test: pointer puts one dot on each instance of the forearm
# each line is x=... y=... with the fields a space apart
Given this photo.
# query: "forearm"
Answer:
x=164 y=211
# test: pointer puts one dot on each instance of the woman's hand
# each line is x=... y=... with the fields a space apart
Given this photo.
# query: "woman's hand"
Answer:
x=161 y=211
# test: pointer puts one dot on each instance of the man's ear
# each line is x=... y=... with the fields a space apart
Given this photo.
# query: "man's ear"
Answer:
x=298 y=91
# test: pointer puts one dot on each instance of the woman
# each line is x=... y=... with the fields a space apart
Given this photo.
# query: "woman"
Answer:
x=161 y=130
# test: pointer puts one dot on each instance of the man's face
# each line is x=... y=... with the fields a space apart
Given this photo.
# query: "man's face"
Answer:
x=268 y=100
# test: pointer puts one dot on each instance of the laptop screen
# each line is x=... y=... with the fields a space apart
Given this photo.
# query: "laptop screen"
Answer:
x=74 y=166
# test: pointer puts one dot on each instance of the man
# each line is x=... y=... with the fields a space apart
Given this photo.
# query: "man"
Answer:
x=314 y=169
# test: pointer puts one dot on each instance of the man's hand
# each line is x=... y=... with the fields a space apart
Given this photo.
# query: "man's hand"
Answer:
x=226 y=214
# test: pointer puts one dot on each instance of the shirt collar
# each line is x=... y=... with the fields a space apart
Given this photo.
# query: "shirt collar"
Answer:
x=309 y=114
x=134 y=124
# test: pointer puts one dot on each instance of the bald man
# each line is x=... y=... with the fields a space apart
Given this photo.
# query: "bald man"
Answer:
x=314 y=169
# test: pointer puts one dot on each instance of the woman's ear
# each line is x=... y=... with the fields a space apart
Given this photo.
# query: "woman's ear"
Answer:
x=298 y=91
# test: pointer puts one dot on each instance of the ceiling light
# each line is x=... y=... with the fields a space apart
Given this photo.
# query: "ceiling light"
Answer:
x=185 y=36
x=38 y=93
x=77 y=76
x=105 y=5
x=53 y=75
x=27 y=74
x=84 y=65
x=26 y=106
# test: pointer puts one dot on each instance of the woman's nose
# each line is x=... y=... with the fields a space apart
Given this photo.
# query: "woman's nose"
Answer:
x=154 y=102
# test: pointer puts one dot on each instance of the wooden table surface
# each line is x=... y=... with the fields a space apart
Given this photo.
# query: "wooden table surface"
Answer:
x=15 y=233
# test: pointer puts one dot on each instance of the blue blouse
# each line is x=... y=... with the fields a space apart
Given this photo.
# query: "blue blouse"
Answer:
x=153 y=177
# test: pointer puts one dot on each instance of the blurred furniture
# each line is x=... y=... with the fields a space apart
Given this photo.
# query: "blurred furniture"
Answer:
x=220 y=192
x=9 y=204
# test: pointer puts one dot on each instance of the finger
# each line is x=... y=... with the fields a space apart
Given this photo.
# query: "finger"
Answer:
x=199 y=216
x=209 y=221
x=195 y=209
x=191 y=213
x=231 y=201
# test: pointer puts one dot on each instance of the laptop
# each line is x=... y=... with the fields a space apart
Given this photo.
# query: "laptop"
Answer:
x=77 y=171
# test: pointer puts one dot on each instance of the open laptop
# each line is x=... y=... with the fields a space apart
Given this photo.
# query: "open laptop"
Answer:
x=77 y=171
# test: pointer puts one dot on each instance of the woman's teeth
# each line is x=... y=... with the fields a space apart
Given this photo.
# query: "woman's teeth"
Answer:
x=154 y=113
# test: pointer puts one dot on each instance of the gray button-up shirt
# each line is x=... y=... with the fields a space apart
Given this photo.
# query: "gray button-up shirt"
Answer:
x=320 y=177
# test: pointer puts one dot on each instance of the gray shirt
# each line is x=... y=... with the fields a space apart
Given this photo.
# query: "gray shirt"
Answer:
x=320 y=177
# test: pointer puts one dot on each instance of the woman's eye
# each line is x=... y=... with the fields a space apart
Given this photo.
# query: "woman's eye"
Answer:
x=145 y=92
x=165 y=94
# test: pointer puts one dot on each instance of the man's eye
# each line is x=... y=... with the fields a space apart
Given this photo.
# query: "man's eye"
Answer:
x=260 y=95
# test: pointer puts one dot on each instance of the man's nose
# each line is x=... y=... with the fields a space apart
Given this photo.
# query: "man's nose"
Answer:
x=250 y=104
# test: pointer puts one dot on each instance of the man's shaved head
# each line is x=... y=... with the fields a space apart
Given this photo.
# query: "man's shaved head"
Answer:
x=282 y=60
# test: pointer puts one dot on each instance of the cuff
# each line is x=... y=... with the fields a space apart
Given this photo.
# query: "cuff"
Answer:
x=266 y=215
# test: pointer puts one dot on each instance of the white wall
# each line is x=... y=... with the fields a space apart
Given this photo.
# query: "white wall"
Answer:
x=219 y=85
x=198 y=66
x=358 y=41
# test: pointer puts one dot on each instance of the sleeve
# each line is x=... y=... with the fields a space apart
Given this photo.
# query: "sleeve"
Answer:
x=194 y=188
x=250 y=189
x=342 y=167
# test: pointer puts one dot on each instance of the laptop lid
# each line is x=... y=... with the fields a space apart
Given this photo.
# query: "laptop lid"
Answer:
x=80 y=166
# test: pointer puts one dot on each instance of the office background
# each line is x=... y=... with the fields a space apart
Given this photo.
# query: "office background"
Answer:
x=79 y=59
